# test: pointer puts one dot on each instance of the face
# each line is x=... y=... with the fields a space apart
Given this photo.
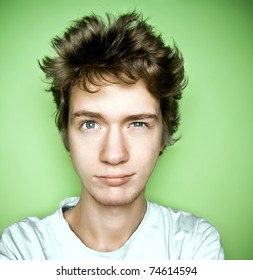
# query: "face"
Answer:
x=115 y=138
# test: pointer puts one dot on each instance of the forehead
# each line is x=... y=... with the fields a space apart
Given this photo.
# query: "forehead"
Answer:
x=115 y=99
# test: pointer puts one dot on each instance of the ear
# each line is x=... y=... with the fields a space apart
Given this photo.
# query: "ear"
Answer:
x=164 y=140
x=162 y=149
x=64 y=135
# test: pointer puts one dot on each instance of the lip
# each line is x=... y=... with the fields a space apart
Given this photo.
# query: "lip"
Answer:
x=115 y=180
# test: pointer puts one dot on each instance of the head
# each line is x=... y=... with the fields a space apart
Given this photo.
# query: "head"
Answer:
x=94 y=52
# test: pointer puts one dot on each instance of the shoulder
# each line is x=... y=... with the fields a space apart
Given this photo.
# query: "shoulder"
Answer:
x=26 y=227
x=33 y=225
x=197 y=237
x=176 y=218
x=18 y=239
x=30 y=237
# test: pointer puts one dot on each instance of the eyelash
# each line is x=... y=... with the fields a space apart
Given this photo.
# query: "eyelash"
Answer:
x=140 y=124
x=133 y=124
x=89 y=122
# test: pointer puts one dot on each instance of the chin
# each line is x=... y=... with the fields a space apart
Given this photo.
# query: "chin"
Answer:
x=117 y=200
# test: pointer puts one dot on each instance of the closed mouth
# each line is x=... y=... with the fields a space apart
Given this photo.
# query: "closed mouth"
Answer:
x=115 y=180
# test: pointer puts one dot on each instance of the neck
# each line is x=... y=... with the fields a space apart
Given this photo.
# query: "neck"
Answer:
x=105 y=228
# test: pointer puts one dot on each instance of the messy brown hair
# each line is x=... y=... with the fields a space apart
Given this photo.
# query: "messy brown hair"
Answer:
x=125 y=48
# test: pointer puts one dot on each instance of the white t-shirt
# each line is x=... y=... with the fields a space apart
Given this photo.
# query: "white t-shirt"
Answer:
x=163 y=234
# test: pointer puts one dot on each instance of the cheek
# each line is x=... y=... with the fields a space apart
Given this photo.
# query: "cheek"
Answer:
x=147 y=146
x=84 y=164
x=83 y=155
x=147 y=155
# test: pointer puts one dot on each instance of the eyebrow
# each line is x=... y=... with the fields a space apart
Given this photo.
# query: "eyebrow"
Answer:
x=95 y=115
x=142 y=116
x=84 y=113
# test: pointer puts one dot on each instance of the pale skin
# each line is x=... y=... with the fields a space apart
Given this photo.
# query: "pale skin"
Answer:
x=115 y=138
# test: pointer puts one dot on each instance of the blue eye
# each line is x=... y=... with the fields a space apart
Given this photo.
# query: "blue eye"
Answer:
x=139 y=124
x=90 y=125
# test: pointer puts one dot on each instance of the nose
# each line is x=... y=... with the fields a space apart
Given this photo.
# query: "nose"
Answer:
x=114 y=149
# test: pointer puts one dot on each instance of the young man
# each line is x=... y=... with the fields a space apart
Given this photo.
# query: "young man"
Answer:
x=116 y=86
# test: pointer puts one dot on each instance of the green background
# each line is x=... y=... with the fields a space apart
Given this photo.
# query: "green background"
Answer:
x=208 y=172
